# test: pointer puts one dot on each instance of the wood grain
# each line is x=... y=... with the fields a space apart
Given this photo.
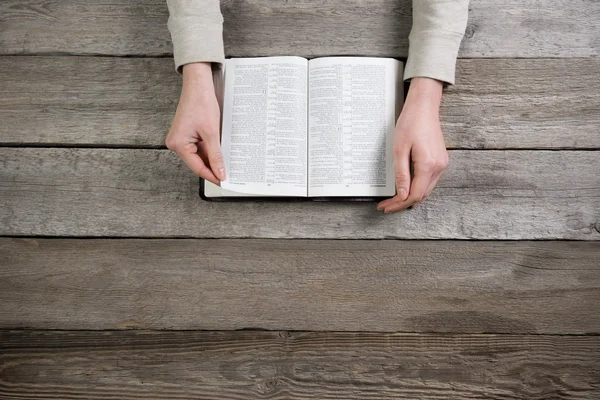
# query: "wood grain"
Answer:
x=511 y=28
x=296 y=365
x=357 y=285
x=129 y=102
x=105 y=101
x=151 y=193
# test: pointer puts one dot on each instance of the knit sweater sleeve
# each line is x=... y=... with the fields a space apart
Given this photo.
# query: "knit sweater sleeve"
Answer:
x=196 y=28
x=437 y=30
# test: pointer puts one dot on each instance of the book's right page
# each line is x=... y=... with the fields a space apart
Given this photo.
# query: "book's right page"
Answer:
x=353 y=106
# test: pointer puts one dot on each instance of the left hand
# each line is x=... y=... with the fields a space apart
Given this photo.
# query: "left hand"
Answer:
x=418 y=139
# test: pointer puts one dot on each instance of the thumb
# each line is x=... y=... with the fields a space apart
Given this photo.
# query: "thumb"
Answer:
x=402 y=162
x=215 y=157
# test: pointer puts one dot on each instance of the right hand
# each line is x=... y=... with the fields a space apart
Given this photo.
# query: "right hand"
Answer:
x=418 y=139
x=194 y=133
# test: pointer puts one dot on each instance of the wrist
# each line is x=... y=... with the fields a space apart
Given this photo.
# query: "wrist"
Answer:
x=425 y=91
x=198 y=76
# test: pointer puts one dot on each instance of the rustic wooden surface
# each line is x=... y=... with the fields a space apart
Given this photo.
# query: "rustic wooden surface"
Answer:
x=296 y=365
x=409 y=286
x=507 y=28
x=527 y=82
x=129 y=102
x=150 y=193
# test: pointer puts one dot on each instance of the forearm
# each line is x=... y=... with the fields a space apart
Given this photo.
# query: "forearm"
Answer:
x=435 y=37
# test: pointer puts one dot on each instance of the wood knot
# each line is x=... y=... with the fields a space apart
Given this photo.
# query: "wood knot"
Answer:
x=470 y=31
x=267 y=386
x=284 y=334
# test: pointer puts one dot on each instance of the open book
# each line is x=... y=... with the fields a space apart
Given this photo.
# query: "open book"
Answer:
x=309 y=128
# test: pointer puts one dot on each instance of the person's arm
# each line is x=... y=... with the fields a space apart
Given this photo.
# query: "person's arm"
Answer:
x=438 y=28
x=196 y=28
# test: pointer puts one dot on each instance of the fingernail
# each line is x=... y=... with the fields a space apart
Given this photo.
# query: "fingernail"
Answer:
x=222 y=173
x=402 y=193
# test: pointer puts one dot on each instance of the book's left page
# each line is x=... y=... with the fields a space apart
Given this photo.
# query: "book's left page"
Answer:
x=264 y=129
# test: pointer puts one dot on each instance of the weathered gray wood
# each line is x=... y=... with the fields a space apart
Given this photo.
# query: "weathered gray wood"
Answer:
x=497 y=103
x=508 y=28
x=150 y=193
x=523 y=104
x=296 y=365
x=87 y=100
x=409 y=286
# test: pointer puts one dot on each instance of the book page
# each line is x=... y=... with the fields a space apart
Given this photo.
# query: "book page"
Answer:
x=213 y=191
x=353 y=105
x=264 y=130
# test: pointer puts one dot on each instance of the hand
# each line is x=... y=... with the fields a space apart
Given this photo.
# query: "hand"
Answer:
x=194 y=133
x=418 y=139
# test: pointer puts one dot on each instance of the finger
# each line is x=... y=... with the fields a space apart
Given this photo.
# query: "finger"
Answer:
x=384 y=203
x=426 y=174
x=202 y=152
x=402 y=172
x=434 y=180
x=195 y=163
x=401 y=178
x=419 y=185
x=215 y=158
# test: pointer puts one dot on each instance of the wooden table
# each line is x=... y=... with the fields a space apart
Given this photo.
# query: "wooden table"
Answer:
x=117 y=281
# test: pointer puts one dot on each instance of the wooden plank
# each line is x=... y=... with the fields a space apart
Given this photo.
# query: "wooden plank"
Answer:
x=296 y=365
x=508 y=28
x=104 y=101
x=108 y=101
x=151 y=193
x=511 y=103
x=357 y=285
